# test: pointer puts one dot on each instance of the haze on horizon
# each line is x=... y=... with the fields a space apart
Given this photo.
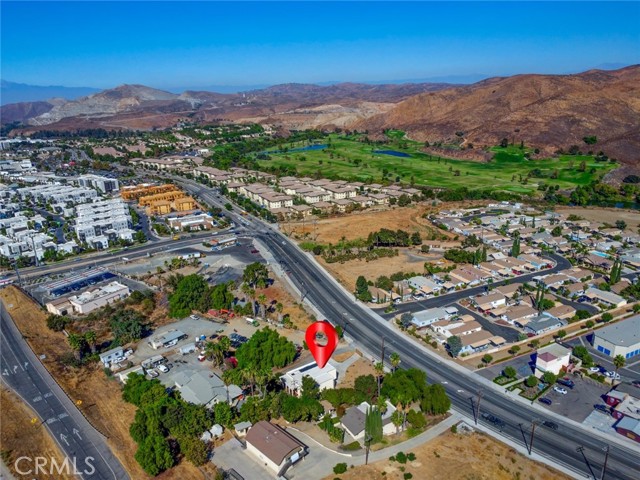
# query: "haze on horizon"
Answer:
x=169 y=45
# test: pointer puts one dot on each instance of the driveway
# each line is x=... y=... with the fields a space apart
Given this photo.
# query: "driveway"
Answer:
x=523 y=364
x=232 y=455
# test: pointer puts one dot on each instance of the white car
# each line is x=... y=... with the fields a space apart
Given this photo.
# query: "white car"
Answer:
x=614 y=375
x=560 y=390
x=172 y=343
x=128 y=353
x=163 y=368
x=194 y=317
x=594 y=369
x=152 y=373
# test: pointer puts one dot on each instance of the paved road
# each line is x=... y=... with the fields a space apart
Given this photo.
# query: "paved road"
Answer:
x=450 y=298
x=23 y=373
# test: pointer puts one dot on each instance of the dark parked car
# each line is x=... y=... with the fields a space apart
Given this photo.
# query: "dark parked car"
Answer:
x=494 y=420
x=550 y=424
x=601 y=408
x=566 y=382
x=545 y=400
x=636 y=383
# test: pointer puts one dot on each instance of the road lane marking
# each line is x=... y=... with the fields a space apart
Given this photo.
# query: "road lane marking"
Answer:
x=63 y=437
x=37 y=399
x=77 y=433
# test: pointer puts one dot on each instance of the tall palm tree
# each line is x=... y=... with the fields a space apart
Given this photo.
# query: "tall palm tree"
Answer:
x=91 y=337
x=395 y=360
x=279 y=309
x=251 y=293
x=379 y=367
x=225 y=344
x=262 y=300
x=214 y=352
x=619 y=362
x=76 y=342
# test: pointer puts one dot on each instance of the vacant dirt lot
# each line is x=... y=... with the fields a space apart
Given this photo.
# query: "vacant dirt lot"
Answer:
x=360 y=224
x=608 y=215
x=451 y=457
x=19 y=437
x=408 y=260
x=101 y=400
x=358 y=368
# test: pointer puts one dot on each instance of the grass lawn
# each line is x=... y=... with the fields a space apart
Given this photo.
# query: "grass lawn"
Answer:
x=350 y=159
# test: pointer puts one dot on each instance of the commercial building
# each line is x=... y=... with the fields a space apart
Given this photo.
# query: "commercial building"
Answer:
x=621 y=338
x=98 y=297
x=103 y=184
x=273 y=446
x=552 y=358
x=324 y=377
x=629 y=427
x=134 y=192
x=193 y=222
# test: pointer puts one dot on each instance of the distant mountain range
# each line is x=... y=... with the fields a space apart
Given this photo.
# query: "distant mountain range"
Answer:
x=546 y=111
x=11 y=92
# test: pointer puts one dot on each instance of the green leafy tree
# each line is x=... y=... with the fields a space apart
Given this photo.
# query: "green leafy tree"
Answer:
x=256 y=275
x=404 y=386
x=531 y=381
x=127 y=326
x=223 y=414
x=90 y=337
x=373 y=425
x=435 y=401
x=515 y=349
x=366 y=386
x=266 y=349
x=455 y=345
x=57 y=323
x=154 y=455
x=510 y=372
x=194 y=450
x=549 y=378
x=362 y=290
x=606 y=317
x=221 y=297
x=487 y=359
x=188 y=296
x=310 y=389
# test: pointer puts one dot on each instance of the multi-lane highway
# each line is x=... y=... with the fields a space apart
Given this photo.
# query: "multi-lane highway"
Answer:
x=87 y=451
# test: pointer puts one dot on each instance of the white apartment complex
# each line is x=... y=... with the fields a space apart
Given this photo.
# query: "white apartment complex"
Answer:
x=99 y=222
x=103 y=184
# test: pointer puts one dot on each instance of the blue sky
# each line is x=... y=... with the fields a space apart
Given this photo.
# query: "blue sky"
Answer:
x=169 y=44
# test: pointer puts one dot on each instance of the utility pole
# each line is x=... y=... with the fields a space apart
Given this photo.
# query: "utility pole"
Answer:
x=368 y=439
x=534 y=424
x=480 y=393
x=606 y=457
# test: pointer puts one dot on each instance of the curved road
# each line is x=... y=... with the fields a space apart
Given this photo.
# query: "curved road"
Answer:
x=23 y=373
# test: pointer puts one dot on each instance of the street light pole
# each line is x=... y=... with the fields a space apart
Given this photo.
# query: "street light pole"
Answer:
x=606 y=457
x=534 y=423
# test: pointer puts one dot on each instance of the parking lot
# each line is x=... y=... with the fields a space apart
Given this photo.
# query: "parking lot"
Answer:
x=578 y=403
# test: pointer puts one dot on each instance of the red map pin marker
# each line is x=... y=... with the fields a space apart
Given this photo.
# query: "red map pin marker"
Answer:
x=321 y=353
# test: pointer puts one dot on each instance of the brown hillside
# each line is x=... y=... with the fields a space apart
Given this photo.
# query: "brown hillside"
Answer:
x=547 y=111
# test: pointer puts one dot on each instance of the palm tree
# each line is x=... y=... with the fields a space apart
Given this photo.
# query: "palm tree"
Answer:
x=262 y=379
x=214 y=352
x=619 y=362
x=76 y=342
x=249 y=373
x=379 y=367
x=251 y=293
x=225 y=343
x=262 y=300
x=90 y=337
x=395 y=360
x=279 y=309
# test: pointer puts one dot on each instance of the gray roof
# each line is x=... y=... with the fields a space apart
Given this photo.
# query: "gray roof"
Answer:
x=202 y=389
x=353 y=420
x=427 y=317
x=628 y=423
x=542 y=322
x=623 y=333
x=111 y=352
